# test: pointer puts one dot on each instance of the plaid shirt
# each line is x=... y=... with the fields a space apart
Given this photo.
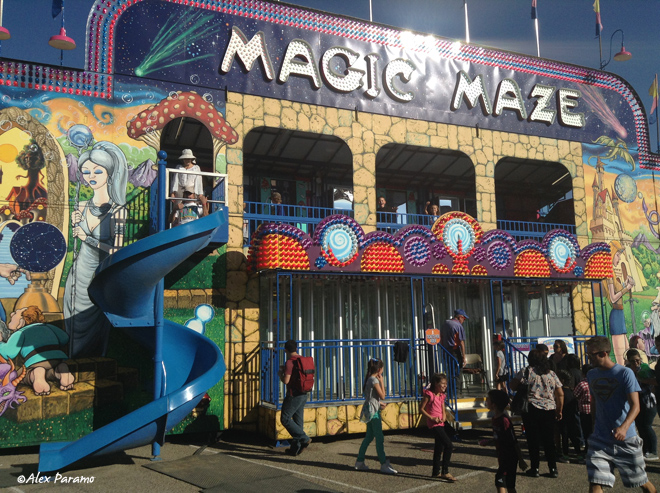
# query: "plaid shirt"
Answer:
x=581 y=391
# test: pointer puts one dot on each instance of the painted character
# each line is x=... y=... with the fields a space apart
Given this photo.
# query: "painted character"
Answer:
x=9 y=396
x=39 y=344
x=99 y=225
x=31 y=159
x=615 y=291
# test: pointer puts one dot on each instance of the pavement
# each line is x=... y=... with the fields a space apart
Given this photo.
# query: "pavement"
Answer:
x=243 y=462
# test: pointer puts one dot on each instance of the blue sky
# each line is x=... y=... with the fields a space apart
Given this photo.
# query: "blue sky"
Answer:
x=567 y=29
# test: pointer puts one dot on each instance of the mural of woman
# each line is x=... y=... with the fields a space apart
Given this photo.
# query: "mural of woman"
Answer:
x=615 y=291
x=99 y=225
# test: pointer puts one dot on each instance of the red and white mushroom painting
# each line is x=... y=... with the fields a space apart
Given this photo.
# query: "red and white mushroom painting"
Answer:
x=148 y=125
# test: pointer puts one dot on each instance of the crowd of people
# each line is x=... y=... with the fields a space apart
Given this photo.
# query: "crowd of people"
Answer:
x=599 y=414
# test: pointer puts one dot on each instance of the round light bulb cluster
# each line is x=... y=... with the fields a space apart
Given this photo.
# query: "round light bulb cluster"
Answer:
x=531 y=263
x=381 y=257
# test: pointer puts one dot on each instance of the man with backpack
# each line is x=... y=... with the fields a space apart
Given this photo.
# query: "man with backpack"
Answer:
x=298 y=376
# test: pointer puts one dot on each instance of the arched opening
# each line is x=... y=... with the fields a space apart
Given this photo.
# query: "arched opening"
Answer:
x=413 y=179
x=533 y=197
x=311 y=173
x=189 y=133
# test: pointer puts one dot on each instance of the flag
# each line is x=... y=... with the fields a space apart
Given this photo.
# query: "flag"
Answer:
x=58 y=5
x=653 y=92
x=533 y=9
x=599 y=24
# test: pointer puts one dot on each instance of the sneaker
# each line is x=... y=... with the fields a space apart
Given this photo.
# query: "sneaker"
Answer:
x=532 y=473
x=648 y=456
x=303 y=446
x=387 y=468
x=554 y=473
x=361 y=466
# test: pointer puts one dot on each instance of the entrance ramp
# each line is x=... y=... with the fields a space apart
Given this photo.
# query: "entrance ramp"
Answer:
x=128 y=288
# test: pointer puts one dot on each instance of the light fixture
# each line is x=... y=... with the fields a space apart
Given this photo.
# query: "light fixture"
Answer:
x=621 y=56
x=4 y=32
x=61 y=41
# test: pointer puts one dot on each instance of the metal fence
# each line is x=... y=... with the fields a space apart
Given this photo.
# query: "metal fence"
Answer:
x=341 y=366
x=517 y=359
x=302 y=217
x=137 y=217
x=306 y=219
x=393 y=221
x=523 y=230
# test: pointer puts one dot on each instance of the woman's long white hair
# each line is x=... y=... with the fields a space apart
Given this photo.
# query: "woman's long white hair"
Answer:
x=112 y=159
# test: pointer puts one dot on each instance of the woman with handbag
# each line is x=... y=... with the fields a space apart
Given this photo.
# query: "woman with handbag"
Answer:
x=545 y=400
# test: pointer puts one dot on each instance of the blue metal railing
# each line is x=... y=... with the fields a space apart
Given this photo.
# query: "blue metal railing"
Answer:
x=306 y=219
x=302 y=217
x=523 y=230
x=393 y=221
x=516 y=360
x=341 y=366
x=445 y=362
x=579 y=343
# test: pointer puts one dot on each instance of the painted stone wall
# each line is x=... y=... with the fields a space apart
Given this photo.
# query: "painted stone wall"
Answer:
x=340 y=420
x=365 y=134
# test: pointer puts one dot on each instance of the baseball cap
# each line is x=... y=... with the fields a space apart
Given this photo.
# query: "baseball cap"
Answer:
x=460 y=312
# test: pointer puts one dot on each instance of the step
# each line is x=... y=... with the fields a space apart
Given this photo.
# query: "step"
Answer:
x=471 y=403
x=466 y=424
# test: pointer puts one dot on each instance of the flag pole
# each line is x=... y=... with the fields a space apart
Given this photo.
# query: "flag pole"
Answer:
x=657 y=123
x=371 y=16
x=536 y=26
x=467 y=26
x=600 y=51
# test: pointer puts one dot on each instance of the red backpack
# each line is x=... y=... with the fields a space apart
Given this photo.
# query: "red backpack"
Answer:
x=303 y=374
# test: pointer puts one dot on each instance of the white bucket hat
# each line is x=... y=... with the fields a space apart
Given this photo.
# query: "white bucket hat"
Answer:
x=187 y=154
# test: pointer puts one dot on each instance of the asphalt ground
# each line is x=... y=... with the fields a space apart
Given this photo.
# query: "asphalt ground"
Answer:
x=245 y=462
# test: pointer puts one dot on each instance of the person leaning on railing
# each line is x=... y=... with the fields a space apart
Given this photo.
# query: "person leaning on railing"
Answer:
x=190 y=208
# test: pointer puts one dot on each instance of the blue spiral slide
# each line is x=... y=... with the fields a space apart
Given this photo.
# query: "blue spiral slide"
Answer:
x=128 y=287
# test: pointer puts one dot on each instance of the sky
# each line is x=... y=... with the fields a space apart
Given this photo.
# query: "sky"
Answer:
x=566 y=30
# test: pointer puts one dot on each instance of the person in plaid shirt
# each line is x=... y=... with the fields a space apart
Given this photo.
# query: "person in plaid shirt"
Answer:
x=581 y=392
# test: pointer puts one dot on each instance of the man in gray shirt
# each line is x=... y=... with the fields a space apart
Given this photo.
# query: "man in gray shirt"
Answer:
x=452 y=335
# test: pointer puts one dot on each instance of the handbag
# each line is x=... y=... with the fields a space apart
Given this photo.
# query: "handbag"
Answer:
x=520 y=402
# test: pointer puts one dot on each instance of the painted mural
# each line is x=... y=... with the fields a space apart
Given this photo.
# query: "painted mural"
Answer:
x=75 y=179
x=624 y=213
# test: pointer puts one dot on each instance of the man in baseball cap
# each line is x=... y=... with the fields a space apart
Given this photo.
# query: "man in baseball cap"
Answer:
x=452 y=335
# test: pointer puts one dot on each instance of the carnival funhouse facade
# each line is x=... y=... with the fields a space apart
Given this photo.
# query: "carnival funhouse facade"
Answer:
x=540 y=171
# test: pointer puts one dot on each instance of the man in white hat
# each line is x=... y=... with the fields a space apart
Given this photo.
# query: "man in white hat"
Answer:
x=182 y=180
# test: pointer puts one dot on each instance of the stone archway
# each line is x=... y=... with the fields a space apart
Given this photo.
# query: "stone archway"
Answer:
x=57 y=179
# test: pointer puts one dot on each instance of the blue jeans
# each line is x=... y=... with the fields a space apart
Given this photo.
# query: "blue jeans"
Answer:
x=293 y=418
x=374 y=430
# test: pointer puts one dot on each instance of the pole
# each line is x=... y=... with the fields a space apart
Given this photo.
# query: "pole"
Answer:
x=371 y=14
x=536 y=26
x=467 y=24
x=600 y=51
x=159 y=298
x=657 y=123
